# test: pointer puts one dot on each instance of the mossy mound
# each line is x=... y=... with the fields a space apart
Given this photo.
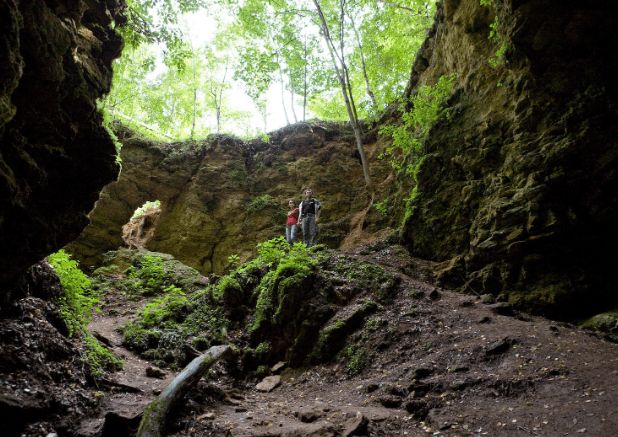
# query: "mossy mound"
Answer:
x=143 y=273
x=282 y=305
x=605 y=324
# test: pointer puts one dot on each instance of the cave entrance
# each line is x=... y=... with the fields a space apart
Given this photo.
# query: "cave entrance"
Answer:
x=141 y=227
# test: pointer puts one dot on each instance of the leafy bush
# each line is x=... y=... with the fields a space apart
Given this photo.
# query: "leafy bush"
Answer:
x=262 y=202
x=427 y=104
x=145 y=208
x=149 y=275
x=77 y=305
x=78 y=302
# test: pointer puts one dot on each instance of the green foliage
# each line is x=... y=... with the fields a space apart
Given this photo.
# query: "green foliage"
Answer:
x=496 y=37
x=486 y=3
x=166 y=308
x=358 y=359
x=145 y=208
x=184 y=92
x=77 y=303
x=382 y=207
x=98 y=358
x=148 y=276
x=406 y=150
x=233 y=261
x=262 y=202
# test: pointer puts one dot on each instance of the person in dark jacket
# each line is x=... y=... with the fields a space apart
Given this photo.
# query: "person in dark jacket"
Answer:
x=309 y=217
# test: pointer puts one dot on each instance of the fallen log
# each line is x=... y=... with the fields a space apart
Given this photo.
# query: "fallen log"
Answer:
x=156 y=413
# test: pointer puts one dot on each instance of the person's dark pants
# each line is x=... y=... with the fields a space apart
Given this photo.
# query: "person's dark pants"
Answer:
x=310 y=230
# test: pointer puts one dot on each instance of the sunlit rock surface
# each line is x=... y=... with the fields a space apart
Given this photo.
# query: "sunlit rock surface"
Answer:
x=221 y=196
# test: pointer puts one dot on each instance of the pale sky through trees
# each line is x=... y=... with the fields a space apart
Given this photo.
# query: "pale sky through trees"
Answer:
x=200 y=28
x=247 y=67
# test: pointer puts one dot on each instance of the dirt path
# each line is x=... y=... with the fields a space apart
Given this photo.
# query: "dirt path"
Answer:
x=128 y=391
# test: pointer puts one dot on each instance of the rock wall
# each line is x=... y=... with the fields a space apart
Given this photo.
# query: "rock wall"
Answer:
x=55 y=156
x=221 y=196
x=518 y=195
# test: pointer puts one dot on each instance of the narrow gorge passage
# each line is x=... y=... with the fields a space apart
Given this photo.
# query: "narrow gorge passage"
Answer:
x=463 y=155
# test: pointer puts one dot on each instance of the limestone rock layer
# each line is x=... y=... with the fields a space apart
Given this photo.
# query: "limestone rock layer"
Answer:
x=519 y=192
x=221 y=196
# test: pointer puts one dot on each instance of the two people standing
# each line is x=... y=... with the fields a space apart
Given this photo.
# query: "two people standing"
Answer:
x=307 y=215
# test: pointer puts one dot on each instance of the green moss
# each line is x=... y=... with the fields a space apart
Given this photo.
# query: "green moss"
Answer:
x=263 y=348
x=228 y=289
x=140 y=339
x=543 y=297
x=98 y=358
x=78 y=301
x=148 y=276
x=605 y=324
x=168 y=308
x=367 y=276
x=374 y=324
x=262 y=370
x=358 y=359
x=333 y=336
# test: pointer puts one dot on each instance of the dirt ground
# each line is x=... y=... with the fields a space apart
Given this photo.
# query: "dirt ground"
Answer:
x=437 y=363
x=431 y=362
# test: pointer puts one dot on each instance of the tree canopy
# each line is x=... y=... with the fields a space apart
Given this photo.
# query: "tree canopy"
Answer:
x=330 y=59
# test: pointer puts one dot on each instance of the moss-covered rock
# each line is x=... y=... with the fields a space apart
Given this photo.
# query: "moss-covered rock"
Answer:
x=605 y=324
x=282 y=305
x=333 y=336
x=144 y=273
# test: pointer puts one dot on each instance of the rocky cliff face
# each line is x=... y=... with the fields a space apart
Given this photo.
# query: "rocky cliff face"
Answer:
x=221 y=196
x=519 y=192
x=55 y=156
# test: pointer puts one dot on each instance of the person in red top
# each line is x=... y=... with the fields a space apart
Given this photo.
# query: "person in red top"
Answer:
x=292 y=223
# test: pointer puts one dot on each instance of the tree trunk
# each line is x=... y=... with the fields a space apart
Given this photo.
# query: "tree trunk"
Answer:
x=305 y=84
x=292 y=105
x=156 y=414
x=285 y=112
x=343 y=77
x=364 y=66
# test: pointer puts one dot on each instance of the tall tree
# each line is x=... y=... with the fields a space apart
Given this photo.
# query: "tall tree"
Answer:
x=338 y=56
